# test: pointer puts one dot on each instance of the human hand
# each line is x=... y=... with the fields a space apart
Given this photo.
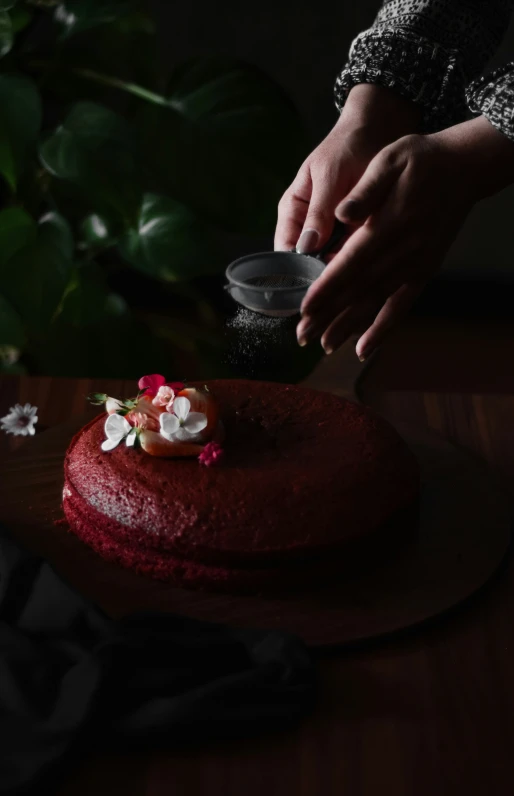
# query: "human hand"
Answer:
x=372 y=117
x=406 y=210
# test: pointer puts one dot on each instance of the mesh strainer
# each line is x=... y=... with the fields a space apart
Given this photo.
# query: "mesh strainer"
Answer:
x=274 y=283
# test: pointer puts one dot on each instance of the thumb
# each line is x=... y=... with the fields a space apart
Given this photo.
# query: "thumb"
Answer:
x=319 y=221
x=372 y=189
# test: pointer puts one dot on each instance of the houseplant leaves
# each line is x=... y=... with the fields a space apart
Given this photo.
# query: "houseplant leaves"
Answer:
x=20 y=122
x=11 y=327
x=94 y=149
x=227 y=143
x=75 y=16
x=168 y=242
x=6 y=33
x=35 y=275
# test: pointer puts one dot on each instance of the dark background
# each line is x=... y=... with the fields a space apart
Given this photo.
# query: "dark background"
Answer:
x=303 y=45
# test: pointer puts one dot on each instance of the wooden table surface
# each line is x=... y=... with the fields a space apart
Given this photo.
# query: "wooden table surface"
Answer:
x=430 y=713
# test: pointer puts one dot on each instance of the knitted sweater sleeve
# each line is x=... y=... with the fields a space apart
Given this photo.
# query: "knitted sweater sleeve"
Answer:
x=429 y=51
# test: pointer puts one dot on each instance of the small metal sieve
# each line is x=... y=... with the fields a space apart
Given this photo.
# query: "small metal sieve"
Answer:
x=274 y=283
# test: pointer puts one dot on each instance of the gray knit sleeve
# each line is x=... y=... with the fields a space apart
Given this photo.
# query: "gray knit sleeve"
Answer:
x=428 y=51
x=493 y=96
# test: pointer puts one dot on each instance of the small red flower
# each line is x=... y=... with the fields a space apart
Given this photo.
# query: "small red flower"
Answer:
x=211 y=454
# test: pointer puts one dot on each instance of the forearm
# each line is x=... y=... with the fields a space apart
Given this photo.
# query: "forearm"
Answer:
x=483 y=156
x=383 y=109
x=427 y=51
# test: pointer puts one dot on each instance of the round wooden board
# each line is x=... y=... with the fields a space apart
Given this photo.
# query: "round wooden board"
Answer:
x=464 y=535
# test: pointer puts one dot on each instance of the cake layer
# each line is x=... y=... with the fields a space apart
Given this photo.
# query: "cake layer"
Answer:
x=342 y=560
x=304 y=472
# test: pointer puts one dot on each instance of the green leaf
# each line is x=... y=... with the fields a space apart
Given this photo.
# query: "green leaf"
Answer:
x=97 y=231
x=87 y=300
x=94 y=149
x=169 y=242
x=75 y=351
x=75 y=16
x=6 y=33
x=20 y=18
x=58 y=231
x=20 y=122
x=5 y=5
x=228 y=145
x=34 y=279
x=17 y=229
x=11 y=327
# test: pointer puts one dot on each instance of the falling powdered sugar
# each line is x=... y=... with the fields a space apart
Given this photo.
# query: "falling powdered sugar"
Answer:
x=254 y=338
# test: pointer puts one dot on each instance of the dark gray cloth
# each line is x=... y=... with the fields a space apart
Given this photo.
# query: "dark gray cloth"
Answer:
x=71 y=678
x=432 y=52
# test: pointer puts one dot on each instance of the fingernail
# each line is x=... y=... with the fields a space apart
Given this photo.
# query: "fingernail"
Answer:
x=362 y=358
x=307 y=241
x=303 y=335
x=328 y=350
x=348 y=210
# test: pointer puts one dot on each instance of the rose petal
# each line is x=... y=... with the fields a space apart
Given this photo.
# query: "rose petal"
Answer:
x=181 y=407
x=195 y=422
x=169 y=425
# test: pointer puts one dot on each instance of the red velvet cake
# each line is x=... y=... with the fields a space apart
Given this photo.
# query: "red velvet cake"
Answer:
x=307 y=482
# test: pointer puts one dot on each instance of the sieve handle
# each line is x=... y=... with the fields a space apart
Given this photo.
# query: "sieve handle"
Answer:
x=338 y=233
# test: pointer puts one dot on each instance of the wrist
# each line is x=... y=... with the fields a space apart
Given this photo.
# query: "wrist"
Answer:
x=380 y=109
x=480 y=156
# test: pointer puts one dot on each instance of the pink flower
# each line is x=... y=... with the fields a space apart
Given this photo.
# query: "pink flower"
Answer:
x=142 y=421
x=151 y=385
x=164 y=397
x=211 y=454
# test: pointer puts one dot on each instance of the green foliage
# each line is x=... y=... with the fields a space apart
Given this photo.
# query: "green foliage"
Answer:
x=168 y=241
x=118 y=209
x=6 y=33
x=20 y=122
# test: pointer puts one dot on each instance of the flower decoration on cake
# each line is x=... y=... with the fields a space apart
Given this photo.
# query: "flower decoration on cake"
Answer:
x=117 y=428
x=179 y=422
x=165 y=419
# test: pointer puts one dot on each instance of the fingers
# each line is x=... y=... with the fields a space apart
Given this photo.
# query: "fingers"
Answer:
x=306 y=211
x=319 y=221
x=292 y=211
x=373 y=187
x=352 y=320
x=360 y=266
x=394 y=308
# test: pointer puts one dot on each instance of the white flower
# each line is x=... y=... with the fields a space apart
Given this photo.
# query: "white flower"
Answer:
x=182 y=424
x=118 y=428
x=112 y=405
x=20 y=421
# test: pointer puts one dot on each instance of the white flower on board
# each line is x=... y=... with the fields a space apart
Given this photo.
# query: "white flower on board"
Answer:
x=20 y=420
x=182 y=424
x=117 y=429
